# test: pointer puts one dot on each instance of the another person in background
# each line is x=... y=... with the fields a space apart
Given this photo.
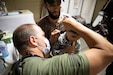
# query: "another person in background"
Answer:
x=52 y=25
x=108 y=21
x=32 y=44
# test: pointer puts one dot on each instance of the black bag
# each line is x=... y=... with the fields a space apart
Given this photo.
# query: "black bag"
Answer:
x=108 y=19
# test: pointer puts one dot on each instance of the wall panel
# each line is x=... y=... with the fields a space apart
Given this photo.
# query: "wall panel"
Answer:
x=33 y=5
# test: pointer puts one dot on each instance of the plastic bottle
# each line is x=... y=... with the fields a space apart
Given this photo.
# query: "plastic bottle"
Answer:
x=3 y=49
x=4 y=7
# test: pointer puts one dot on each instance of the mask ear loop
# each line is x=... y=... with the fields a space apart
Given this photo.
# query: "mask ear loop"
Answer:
x=42 y=49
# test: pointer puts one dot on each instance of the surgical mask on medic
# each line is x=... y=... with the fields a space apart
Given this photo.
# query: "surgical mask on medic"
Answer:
x=47 y=49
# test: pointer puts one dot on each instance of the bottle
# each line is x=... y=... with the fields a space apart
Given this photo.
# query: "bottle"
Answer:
x=4 y=7
x=3 y=49
x=1 y=10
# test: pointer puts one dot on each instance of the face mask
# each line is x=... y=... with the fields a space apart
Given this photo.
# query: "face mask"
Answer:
x=47 y=49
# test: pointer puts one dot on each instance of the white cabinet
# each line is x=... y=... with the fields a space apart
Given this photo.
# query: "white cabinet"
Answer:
x=10 y=22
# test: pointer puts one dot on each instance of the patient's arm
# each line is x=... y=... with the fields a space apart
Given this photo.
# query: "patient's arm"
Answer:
x=100 y=53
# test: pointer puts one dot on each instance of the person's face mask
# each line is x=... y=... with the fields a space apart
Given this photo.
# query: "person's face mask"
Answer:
x=47 y=49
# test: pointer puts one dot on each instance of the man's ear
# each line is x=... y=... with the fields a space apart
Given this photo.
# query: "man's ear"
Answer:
x=33 y=40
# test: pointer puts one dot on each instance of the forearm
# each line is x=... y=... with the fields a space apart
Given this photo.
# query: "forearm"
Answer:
x=101 y=50
x=92 y=38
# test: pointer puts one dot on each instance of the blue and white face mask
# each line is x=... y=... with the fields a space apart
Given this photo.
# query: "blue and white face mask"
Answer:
x=47 y=49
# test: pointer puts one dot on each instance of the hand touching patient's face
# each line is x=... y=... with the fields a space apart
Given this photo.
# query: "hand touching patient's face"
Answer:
x=54 y=35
